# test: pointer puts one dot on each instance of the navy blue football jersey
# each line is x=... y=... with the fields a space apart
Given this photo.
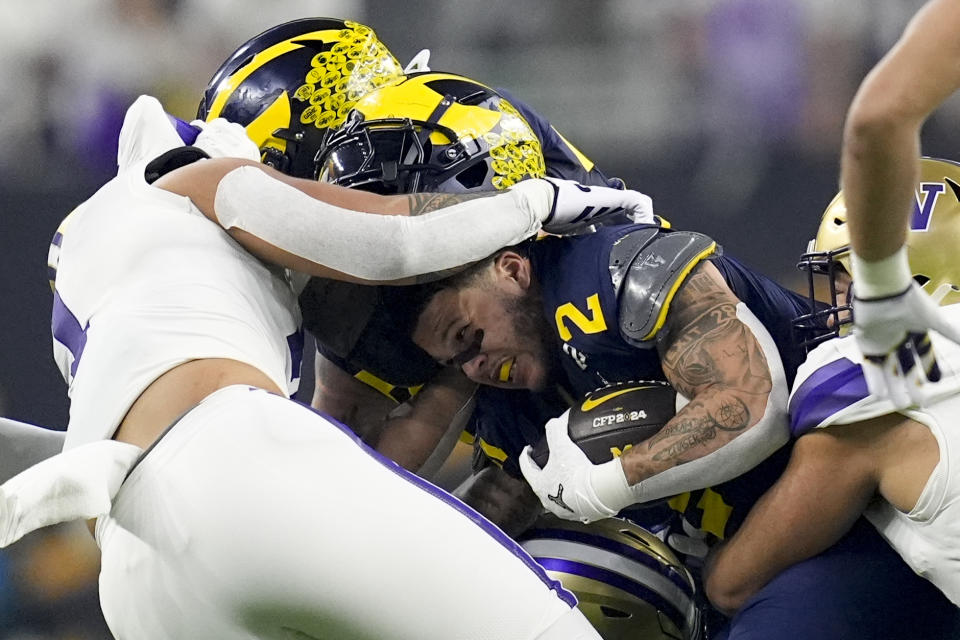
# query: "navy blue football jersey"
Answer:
x=581 y=305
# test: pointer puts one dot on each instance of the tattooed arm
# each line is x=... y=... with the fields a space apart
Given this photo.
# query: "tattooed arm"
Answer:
x=333 y=232
x=716 y=353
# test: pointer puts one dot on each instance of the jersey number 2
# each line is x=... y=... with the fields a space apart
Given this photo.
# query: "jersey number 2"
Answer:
x=592 y=323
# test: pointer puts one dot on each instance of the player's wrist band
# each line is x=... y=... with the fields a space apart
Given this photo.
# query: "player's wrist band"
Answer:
x=610 y=486
x=881 y=278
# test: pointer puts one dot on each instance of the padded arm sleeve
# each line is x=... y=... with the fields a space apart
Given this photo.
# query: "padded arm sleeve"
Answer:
x=378 y=247
x=743 y=452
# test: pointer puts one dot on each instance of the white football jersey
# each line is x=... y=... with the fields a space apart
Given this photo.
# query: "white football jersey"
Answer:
x=830 y=390
x=144 y=282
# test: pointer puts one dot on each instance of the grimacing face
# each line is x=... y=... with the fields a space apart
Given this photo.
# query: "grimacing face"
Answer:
x=493 y=328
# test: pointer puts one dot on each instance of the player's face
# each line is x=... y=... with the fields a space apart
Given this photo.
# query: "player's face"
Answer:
x=842 y=286
x=496 y=334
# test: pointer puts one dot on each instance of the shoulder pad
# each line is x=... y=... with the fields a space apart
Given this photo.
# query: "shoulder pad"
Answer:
x=647 y=266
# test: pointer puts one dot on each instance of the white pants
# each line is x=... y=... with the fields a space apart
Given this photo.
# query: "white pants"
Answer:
x=255 y=517
x=928 y=537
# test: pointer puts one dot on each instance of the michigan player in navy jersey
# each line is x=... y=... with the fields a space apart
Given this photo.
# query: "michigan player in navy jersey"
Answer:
x=857 y=453
x=583 y=304
x=432 y=131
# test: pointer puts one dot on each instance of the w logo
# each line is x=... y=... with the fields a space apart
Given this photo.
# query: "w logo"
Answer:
x=924 y=204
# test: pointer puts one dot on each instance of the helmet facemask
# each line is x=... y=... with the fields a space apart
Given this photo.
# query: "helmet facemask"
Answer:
x=824 y=320
x=431 y=132
x=396 y=156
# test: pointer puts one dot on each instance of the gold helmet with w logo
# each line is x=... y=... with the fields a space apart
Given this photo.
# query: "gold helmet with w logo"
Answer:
x=932 y=243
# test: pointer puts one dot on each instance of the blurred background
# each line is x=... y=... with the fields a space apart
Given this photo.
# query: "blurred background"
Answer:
x=728 y=112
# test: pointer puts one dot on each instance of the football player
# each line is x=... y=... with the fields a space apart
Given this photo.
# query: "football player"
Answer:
x=643 y=302
x=858 y=453
x=879 y=170
x=225 y=510
x=423 y=131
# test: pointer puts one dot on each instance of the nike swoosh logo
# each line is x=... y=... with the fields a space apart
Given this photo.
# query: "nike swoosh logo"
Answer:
x=591 y=403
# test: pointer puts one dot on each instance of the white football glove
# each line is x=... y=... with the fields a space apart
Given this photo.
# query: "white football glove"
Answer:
x=575 y=206
x=893 y=335
x=220 y=138
x=79 y=483
x=569 y=485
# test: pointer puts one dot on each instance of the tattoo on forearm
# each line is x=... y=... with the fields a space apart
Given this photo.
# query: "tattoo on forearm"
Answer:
x=421 y=203
x=698 y=426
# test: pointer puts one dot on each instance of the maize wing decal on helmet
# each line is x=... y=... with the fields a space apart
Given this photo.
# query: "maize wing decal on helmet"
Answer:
x=432 y=132
x=932 y=240
x=628 y=582
x=290 y=84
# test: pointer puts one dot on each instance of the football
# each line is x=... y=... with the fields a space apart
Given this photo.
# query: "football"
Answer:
x=611 y=419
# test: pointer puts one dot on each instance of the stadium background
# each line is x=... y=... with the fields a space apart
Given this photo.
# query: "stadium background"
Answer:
x=727 y=112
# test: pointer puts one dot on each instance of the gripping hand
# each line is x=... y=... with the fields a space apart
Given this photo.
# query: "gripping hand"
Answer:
x=565 y=206
x=893 y=334
x=220 y=138
x=569 y=485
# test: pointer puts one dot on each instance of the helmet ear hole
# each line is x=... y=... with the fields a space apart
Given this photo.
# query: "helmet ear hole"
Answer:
x=473 y=176
x=610 y=612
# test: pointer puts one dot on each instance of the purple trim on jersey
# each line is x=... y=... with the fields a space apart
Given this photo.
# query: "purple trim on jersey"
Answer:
x=67 y=331
x=295 y=344
x=613 y=546
x=490 y=528
x=57 y=239
x=615 y=579
x=187 y=132
x=832 y=388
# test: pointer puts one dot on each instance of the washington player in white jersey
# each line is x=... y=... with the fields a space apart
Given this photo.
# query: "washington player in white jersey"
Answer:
x=879 y=170
x=858 y=452
x=250 y=515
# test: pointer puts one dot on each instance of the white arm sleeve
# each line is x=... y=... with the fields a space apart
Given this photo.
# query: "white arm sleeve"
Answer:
x=743 y=452
x=378 y=247
x=23 y=445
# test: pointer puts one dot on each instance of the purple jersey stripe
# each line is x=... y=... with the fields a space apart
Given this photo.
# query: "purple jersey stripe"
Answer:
x=490 y=528
x=187 y=132
x=831 y=388
x=67 y=330
x=615 y=579
x=615 y=547
x=57 y=239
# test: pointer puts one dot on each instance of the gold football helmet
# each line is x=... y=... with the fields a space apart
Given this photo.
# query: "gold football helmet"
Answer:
x=932 y=241
x=293 y=82
x=628 y=582
x=435 y=132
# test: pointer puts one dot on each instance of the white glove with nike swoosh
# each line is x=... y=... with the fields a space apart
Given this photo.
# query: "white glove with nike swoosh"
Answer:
x=569 y=485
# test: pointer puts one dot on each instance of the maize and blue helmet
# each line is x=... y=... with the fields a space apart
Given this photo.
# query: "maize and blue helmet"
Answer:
x=292 y=83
